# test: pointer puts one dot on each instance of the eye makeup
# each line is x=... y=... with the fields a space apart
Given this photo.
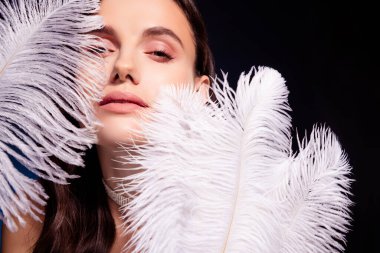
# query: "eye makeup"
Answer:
x=159 y=50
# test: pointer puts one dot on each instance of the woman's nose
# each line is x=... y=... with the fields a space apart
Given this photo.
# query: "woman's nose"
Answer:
x=124 y=70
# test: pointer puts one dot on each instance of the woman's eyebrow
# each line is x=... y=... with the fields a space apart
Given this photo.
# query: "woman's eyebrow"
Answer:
x=153 y=31
x=159 y=30
x=107 y=30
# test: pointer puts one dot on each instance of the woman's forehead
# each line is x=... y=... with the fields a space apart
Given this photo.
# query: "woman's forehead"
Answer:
x=134 y=17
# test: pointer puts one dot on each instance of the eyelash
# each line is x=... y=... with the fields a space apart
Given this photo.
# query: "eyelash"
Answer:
x=103 y=51
x=161 y=54
x=157 y=53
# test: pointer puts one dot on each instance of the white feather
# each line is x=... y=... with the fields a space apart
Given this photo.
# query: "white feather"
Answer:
x=47 y=73
x=222 y=177
x=314 y=191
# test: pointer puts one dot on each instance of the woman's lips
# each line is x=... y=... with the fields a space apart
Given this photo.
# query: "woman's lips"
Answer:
x=121 y=102
x=121 y=108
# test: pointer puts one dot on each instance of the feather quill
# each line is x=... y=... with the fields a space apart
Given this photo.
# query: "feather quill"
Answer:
x=48 y=74
x=221 y=176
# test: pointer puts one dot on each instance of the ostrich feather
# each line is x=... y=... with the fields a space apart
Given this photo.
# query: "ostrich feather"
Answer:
x=49 y=77
x=314 y=191
x=221 y=176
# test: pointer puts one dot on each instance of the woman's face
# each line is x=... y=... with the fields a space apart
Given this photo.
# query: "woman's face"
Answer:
x=149 y=44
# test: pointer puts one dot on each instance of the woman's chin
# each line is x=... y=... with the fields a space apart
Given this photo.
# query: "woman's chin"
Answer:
x=116 y=131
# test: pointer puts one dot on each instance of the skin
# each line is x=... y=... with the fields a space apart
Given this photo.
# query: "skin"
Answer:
x=135 y=64
x=139 y=62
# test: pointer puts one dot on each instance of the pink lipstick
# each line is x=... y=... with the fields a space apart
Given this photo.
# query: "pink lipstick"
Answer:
x=122 y=102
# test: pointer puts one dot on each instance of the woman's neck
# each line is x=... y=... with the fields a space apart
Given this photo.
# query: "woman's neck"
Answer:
x=111 y=166
x=111 y=158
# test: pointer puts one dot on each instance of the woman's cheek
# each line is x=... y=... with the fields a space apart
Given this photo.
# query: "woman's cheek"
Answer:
x=168 y=73
x=109 y=65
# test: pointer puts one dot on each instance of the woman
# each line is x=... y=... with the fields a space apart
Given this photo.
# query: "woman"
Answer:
x=149 y=44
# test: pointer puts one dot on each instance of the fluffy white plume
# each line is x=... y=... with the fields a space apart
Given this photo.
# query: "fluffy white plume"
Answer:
x=221 y=177
x=48 y=74
x=314 y=191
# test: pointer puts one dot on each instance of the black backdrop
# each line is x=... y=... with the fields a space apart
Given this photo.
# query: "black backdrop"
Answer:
x=326 y=53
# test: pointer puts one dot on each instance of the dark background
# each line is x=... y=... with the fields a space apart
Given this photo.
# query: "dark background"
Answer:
x=326 y=53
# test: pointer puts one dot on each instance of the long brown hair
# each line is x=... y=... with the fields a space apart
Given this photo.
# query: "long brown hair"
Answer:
x=77 y=215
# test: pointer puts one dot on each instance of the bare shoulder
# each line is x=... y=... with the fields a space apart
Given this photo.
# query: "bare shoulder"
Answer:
x=24 y=239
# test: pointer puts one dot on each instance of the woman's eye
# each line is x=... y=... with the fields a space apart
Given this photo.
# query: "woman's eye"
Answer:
x=103 y=51
x=100 y=50
x=162 y=55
